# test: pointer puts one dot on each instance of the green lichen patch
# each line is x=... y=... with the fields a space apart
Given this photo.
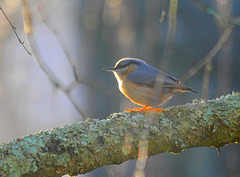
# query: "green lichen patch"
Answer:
x=81 y=147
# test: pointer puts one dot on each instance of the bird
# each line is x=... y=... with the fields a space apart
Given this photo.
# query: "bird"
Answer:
x=144 y=84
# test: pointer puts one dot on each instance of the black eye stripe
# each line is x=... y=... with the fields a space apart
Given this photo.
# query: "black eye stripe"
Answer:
x=122 y=66
x=127 y=64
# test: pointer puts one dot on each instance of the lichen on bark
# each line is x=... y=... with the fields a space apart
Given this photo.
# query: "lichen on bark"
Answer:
x=81 y=147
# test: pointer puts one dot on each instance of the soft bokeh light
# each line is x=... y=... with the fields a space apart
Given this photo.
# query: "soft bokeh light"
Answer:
x=126 y=36
x=90 y=21
x=94 y=35
x=222 y=2
x=12 y=3
x=5 y=28
x=127 y=146
x=113 y=3
x=142 y=157
x=111 y=15
x=27 y=18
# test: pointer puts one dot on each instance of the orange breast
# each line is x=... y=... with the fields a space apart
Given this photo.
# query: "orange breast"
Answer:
x=143 y=95
x=138 y=94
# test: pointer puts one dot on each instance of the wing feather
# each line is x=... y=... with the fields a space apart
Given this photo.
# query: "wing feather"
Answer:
x=145 y=76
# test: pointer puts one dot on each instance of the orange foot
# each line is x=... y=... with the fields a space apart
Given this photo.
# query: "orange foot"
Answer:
x=143 y=109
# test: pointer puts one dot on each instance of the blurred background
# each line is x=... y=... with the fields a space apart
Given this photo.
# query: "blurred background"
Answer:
x=75 y=39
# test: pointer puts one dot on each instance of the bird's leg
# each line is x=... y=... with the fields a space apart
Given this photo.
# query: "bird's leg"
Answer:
x=143 y=109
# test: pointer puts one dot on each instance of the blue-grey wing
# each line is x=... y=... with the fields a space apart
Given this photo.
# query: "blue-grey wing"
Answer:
x=149 y=76
x=144 y=76
x=171 y=81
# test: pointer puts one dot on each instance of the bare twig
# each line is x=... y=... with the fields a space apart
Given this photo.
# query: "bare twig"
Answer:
x=225 y=57
x=14 y=30
x=231 y=24
x=172 y=25
x=55 y=31
x=163 y=11
x=94 y=85
x=206 y=80
x=52 y=78
x=207 y=9
x=168 y=50
x=210 y=55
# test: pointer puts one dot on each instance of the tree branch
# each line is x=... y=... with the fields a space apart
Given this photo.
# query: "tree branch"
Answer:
x=14 y=30
x=81 y=147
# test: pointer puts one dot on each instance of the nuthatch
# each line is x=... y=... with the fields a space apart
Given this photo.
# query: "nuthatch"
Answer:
x=145 y=85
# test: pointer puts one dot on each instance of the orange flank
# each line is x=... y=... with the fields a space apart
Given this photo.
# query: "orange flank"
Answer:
x=143 y=109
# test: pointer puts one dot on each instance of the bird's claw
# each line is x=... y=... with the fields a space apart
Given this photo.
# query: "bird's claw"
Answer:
x=143 y=109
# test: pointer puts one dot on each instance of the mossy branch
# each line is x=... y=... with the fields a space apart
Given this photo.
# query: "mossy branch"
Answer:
x=82 y=147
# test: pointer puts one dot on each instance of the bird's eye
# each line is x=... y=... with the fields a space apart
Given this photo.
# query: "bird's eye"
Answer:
x=124 y=65
x=120 y=66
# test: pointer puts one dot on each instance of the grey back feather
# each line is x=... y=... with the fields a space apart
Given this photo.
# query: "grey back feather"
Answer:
x=148 y=76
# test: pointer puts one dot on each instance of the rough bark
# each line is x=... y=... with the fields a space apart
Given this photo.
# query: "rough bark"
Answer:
x=82 y=147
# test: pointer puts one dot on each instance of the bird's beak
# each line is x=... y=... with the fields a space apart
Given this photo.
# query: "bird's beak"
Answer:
x=110 y=69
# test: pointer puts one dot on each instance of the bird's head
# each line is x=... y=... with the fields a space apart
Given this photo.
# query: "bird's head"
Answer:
x=125 y=66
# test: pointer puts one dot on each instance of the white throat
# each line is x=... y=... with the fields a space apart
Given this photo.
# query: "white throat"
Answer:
x=119 y=81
